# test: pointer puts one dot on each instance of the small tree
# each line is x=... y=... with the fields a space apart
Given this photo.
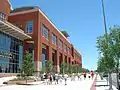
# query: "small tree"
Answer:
x=69 y=68
x=27 y=66
x=49 y=66
x=105 y=49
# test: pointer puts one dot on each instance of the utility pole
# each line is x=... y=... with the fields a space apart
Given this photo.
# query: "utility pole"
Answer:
x=106 y=35
x=104 y=17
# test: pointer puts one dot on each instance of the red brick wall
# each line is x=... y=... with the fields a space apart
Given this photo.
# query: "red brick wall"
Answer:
x=5 y=7
x=38 y=20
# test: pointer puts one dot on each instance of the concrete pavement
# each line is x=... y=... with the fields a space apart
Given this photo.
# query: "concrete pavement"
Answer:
x=102 y=84
x=71 y=85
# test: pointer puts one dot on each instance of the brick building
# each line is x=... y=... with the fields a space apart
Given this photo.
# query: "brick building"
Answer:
x=44 y=40
x=11 y=42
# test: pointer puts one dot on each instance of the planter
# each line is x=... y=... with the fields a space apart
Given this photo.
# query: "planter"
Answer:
x=19 y=82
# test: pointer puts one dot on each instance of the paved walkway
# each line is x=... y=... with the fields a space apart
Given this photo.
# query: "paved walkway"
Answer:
x=71 y=85
x=5 y=79
x=102 y=84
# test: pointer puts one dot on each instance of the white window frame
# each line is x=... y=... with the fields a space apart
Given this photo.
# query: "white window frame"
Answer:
x=27 y=30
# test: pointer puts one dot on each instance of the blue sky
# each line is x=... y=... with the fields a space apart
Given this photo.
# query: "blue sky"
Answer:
x=82 y=19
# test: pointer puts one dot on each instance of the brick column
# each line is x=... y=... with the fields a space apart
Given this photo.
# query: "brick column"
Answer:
x=58 y=65
x=50 y=53
x=50 y=48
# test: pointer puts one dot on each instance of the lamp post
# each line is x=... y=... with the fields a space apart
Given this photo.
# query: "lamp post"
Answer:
x=106 y=36
x=105 y=27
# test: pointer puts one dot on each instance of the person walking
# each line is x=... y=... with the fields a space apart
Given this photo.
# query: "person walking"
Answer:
x=46 y=78
x=92 y=74
x=60 y=78
x=89 y=75
x=51 y=78
x=73 y=77
x=84 y=74
x=65 y=77
x=56 y=78
x=78 y=76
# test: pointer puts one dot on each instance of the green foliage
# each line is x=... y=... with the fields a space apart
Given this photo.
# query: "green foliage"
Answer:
x=115 y=41
x=69 y=68
x=27 y=65
x=101 y=65
x=49 y=66
x=110 y=50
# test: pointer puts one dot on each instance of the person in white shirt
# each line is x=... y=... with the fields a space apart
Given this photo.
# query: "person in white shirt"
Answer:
x=65 y=77
x=56 y=78
x=60 y=78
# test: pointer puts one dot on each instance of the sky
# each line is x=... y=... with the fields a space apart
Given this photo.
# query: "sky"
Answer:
x=82 y=19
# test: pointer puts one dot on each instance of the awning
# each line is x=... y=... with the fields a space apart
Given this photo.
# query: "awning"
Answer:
x=12 y=30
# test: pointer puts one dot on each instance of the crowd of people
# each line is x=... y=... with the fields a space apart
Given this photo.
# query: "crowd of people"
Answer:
x=56 y=78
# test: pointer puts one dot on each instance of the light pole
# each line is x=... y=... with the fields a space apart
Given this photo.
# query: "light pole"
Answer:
x=105 y=27
x=106 y=36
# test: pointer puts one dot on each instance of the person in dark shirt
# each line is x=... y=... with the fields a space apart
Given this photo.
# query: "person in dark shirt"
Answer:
x=0 y=69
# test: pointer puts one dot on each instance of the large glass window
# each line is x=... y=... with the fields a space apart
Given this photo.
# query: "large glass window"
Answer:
x=29 y=27
x=60 y=44
x=65 y=48
x=69 y=51
x=45 y=32
x=53 y=39
x=11 y=51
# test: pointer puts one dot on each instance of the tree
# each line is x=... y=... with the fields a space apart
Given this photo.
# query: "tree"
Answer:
x=101 y=65
x=115 y=35
x=105 y=49
x=64 y=68
x=70 y=68
x=49 y=66
x=27 y=65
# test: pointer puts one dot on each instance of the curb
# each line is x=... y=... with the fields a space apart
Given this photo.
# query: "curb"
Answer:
x=93 y=84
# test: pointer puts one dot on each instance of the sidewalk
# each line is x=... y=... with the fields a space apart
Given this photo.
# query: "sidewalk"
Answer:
x=102 y=84
x=71 y=85
x=4 y=79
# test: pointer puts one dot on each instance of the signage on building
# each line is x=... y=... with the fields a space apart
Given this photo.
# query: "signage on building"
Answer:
x=5 y=55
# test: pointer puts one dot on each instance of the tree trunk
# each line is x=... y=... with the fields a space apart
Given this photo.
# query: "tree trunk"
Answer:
x=110 y=82
x=108 y=79
x=117 y=76
x=26 y=81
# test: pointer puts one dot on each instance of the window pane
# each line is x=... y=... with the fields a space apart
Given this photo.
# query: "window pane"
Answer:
x=53 y=39
x=29 y=27
x=45 y=32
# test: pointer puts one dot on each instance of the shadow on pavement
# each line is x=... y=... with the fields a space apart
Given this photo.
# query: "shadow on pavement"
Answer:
x=100 y=81
x=101 y=85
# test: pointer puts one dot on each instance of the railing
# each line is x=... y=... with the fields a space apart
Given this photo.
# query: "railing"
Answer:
x=2 y=19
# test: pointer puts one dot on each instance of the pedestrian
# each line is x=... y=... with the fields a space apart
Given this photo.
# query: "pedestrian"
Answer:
x=48 y=79
x=73 y=77
x=78 y=76
x=45 y=78
x=65 y=77
x=89 y=75
x=51 y=77
x=92 y=74
x=84 y=74
x=56 y=78
x=60 y=78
